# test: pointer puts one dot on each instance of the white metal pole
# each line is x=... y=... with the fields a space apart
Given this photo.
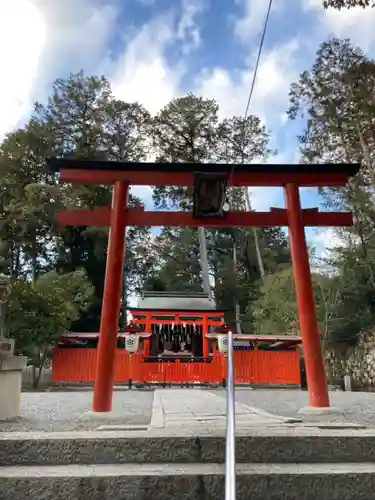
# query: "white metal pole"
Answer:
x=230 y=451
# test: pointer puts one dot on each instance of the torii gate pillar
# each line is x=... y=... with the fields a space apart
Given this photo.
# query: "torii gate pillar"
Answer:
x=314 y=361
x=106 y=354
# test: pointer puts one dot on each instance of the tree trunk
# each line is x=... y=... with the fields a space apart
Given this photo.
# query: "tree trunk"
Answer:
x=124 y=316
x=256 y=238
x=16 y=264
x=37 y=370
x=204 y=259
x=235 y=299
x=34 y=262
x=35 y=377
x=2 y=318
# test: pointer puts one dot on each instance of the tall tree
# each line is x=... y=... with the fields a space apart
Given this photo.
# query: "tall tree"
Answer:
x=81 y=119
x=178 y=265
x=88 y=122
x=275 y=310
x=186 y=131
x=336 y=97
x=29 y=197
x=39 y=312
x=189 y=130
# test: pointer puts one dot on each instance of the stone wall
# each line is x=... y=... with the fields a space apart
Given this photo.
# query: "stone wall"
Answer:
x=358 y=362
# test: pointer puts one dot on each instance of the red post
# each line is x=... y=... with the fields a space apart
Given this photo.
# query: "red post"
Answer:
x=147 y=341
x=314 y=361
x=106 y=354
x=206 y=348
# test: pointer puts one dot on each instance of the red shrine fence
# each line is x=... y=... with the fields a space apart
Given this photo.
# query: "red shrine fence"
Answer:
x=252 y=366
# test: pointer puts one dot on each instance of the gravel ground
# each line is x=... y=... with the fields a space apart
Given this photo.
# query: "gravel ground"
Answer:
x=58 y=411
x=354 y=407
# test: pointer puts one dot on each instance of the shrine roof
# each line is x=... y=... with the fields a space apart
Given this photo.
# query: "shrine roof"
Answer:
x=55 y=164
x=175 y=301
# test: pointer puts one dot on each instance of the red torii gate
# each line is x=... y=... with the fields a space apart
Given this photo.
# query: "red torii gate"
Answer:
x=119 y=216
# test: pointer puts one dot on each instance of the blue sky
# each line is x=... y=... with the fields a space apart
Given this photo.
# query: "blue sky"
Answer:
x=154 y=50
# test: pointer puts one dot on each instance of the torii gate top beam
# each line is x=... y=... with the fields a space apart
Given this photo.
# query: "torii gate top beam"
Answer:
x=182 y=174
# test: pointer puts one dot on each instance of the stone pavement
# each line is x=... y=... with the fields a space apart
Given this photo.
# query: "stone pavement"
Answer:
x=194 y=408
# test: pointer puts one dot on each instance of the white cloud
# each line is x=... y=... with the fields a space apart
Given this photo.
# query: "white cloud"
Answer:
x=250 y=24
x=324 y=241
x=355 y=23
x=78 y=35
x=145 y=195
x=231 y=89
x=41 y=40
x=188 y=30
x=143 y=73
x=22 y=37
x=263 y=198
x=148 y=3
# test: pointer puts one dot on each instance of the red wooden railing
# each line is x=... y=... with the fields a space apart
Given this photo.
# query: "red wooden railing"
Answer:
x=251 y=367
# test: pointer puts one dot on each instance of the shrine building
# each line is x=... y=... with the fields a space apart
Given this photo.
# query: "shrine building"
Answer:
x=176 y=344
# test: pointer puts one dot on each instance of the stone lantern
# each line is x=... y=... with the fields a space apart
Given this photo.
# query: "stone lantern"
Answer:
x=11 y=366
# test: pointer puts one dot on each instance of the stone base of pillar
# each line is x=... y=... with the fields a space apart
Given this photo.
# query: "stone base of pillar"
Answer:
x=314 y=410
x=10 y=385
x=105 y=416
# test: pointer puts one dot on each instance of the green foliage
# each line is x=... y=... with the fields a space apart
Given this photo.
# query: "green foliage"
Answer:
x=275 y=310
x=189 y=130
x=347 y=4
x=356 y=294
x=28 y=199
x=336 y=98
x=37 y=315
x=178 y=266
x=80 y=120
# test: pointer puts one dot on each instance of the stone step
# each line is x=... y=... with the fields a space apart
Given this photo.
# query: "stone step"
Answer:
x=258 y=445
x=189 y=481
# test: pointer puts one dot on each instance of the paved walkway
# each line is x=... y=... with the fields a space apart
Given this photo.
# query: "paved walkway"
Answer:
x=193 y=407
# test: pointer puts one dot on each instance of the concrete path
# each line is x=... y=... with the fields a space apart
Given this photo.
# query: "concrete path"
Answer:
x=194 y=407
